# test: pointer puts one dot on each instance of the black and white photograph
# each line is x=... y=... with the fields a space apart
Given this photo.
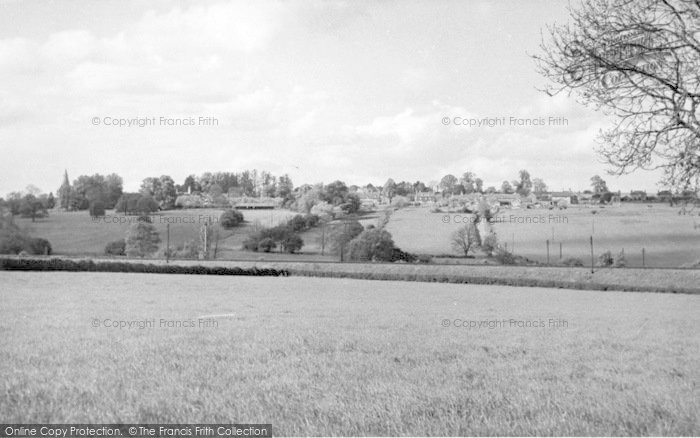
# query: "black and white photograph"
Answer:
x=238 y=218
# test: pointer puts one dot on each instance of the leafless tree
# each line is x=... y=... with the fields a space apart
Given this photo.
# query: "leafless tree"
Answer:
x=638 y=60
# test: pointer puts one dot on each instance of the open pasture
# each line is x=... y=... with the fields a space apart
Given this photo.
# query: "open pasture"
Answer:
x=669 y=239
x=76 y=233
x=318 y=356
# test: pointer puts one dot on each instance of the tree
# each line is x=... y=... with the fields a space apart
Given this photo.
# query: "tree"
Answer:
x=50 y=201
x=230 y=218
x=506 y=187
x=142 y=240
x=538 y=186
x=335 y=193
x=465 y=238
x=524 y=186
x=146 y=205
x=479 y=185
x=292 y=243
x=284 y=189
x=97 y=209
x=342 y=234
x=468 y=182
x=114 y=188
x=599 y=185
x=448 y=183
x=65 y=193
x=32 y=207
x=389 y=189
x=491 y=189
x=373 y=244
x=638 y=60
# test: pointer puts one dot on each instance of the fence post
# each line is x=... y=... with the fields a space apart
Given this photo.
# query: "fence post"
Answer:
x=592 y=262
x=644 y=262
x=167 y=245
x=547 y=251
x=560 y=252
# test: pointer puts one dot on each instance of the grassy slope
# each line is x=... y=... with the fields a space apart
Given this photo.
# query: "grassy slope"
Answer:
x=75 y=233
x=324 y=357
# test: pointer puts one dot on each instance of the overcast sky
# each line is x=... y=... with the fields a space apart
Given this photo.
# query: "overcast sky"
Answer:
x=327 y=90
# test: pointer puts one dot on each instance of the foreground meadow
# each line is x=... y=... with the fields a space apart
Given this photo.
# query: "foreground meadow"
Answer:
x=320 y=356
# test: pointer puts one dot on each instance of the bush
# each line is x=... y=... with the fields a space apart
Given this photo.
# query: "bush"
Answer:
x=605 y=259
x=572 y=261
x=116 y=248
x=230 y=218
x=188 y=250
x=489 y=244
x=144 y=218
x=371 y=245
x=266 y=245
x=425 y=258
x=505 y=258
x=292 y=243
x=146 y=205
x=38 y=246
x=342 y=234
x=620 y=260
x=397 y=255
x=312 y=220
x=251 y=243
x=97 y=209
x=12 y=241
x=142 y=240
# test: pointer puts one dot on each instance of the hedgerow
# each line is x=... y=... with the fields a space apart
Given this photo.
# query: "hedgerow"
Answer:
x=14 y=264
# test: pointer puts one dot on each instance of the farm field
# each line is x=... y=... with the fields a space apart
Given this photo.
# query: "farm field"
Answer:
x=75 y=233
x=669 y=240
x=318 y=356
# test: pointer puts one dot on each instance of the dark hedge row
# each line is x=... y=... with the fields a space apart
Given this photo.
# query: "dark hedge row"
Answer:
x=13 y=264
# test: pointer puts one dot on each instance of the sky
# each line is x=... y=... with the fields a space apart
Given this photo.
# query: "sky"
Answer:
x=320 y=90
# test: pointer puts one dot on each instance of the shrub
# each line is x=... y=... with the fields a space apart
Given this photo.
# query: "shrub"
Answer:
x=425 y=258
x=312 y=220
x=371 y=245
x=397 y=255
x=489 y=244
x=505 y=258
x=620 y=260
x=116 y=248
x=146 y=205
x=97 y=209
x=144 y=218
x=231 y=218
x=142 y=240
x=572 y=261
x=12 y=240
x=605 y=259
x=292 y=243
x=188 y=250
x=251 y=243
x=297 y=223
x=38 y=246
x=342 y=234
x=266 y=244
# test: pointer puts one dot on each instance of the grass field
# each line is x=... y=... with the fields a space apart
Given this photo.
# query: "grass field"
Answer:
x=76 y=233
x=669 y=240
x=331 y=356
